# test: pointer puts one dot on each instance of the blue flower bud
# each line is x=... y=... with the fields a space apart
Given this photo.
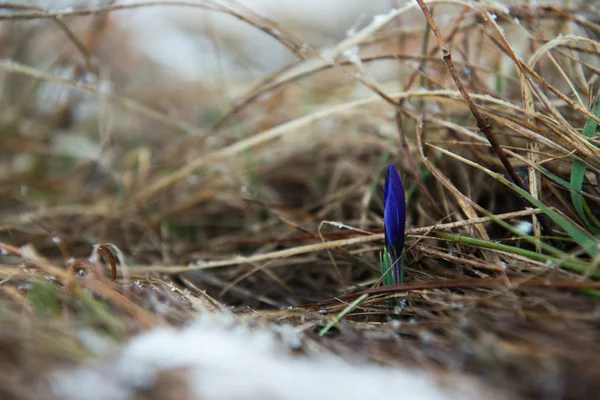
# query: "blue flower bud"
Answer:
x=394 y=219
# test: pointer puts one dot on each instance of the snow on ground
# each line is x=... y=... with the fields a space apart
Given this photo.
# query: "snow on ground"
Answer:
x=222 y=359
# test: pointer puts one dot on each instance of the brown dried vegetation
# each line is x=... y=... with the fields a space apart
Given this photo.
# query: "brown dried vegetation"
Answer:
x=199 y=209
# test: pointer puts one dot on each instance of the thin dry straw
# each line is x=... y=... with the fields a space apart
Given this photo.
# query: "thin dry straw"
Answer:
x=61 y=25
x=283 y=38
x=144 y=269
x=132 y=105
x=482 y=122
x=514 y=284
x=293 y=126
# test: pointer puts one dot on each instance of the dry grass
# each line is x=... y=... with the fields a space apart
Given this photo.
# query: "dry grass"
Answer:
x=207 y=208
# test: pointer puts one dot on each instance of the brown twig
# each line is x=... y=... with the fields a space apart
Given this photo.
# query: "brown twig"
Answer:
x=111 y=260
x=482 y=121
x=61 y=25
x=472 y=283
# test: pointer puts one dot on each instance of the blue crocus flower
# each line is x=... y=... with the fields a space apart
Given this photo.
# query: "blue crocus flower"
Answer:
x=394 y=220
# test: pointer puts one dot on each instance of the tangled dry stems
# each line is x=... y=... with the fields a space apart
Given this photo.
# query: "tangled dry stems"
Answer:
x=210 y=213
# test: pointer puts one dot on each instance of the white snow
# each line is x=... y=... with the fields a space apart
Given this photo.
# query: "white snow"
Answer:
x=525 y=226
x=223 y=359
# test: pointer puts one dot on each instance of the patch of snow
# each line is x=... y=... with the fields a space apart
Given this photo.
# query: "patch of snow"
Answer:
x=29 y=253
x=89 y=384
x=525 y=226
x=95 y=343
x=289 y=335
x=384 y=17
x=353 y=55
x=228 y=361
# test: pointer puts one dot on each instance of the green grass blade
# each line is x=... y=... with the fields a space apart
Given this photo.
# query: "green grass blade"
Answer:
x=567 y=185
x=591 y=216
x=578 y=176
x=573 y=264
x=587 y=242
x=557 y=179
x=95 y=311
x=345 y=311
x=589 y=245
x=385 y=267
x=499 y=82
x=44 y=296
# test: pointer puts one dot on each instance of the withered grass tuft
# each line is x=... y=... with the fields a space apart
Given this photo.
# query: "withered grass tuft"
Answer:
x=207 y=197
